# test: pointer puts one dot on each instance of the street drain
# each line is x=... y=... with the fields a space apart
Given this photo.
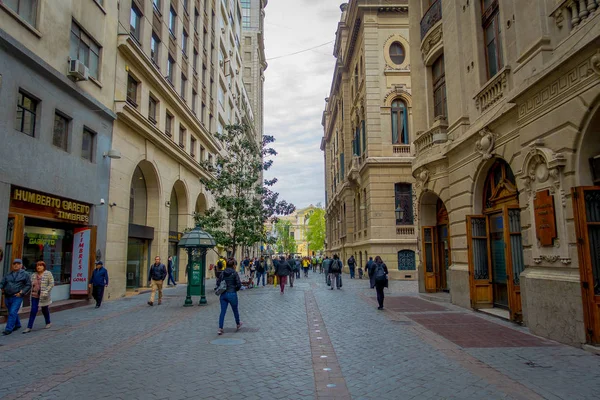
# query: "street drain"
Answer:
x=228 y=342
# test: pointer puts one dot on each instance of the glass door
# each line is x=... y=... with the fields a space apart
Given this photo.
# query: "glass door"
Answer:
x=498 y=258
x=135 y=260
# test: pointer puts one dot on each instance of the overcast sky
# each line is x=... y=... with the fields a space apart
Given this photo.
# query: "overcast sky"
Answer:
x=295 y=91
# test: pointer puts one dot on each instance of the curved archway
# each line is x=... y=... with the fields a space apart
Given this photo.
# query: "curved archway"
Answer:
x=178 y=209
x=588 y=152
x=201 y=204
x=435 y=242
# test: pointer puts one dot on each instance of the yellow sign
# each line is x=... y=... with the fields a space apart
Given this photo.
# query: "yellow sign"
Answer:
x=59 y=207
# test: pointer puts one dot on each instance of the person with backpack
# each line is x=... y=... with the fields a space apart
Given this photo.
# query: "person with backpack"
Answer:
x=326 y=265
x=369 y=267
x=335 y=271
x=220 y=267
x=378 y=275
x=259 y=265
x=282 y=270
x=351 y=266
x=292 y=264
x=229 y=295
x=314 y=263
x=305 y=266
x=156 y=277
x=298 y=267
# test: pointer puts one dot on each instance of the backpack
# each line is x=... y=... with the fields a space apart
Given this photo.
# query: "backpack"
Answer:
x=219 y=290
x=380 y=274
x=336 y=267
x=221 y=264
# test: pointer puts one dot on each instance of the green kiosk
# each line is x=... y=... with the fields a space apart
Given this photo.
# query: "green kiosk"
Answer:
x=196 y=242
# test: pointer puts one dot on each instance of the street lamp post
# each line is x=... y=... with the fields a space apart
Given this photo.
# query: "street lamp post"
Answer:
x=196 y=242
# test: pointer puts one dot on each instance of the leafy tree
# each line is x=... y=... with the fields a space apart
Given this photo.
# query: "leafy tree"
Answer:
x=244 y=203
x=286 y=244
x=315 y=234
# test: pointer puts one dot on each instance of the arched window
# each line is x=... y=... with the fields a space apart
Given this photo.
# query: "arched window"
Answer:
x=399 y=122
x=406 y=260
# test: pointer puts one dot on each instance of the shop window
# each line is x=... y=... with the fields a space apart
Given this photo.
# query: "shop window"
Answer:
x=406 y=260
x=85 y=49
x=52 y=243
x=440 y=106
x=403 y=203
x=26 y=9
x=26 y=113
x=399 y=122
x=60 y=133
x=135 y=23
x=87 y=144
x=492 y=29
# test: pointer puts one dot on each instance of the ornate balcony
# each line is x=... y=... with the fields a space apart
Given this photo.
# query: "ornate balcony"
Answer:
x=437 y=134
x=574 y=12
x=493 y=91
x=401 y=150
x=405 y=231
x=431 y=17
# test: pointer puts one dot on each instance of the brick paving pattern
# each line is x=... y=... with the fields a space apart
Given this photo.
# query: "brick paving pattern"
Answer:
x=414 y=349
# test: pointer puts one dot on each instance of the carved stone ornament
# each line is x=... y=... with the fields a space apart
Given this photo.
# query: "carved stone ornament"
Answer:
x=431 y=40
x=422 y=178
x=397 y=90
x=541 y=167
x=595 y=63
x=485 y=145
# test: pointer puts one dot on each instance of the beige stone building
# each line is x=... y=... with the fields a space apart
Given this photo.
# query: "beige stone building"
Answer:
x=368 y=132
x=299 y=228
x=507 y=116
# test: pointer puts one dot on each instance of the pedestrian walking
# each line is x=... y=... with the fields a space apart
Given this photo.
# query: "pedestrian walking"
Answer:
x=352 y=266
x=314 y=263
x=98 y=282
x=298 y=267
x=320 y=263
x=253 y=268
x=42 y=283
x=305 y=266
x=378 y=274
x=220 y=267
x=229 y=297
x=282 y=270
x=260 y=271
x=170 y=271
x=335 y=270
x=292 y=264
x=369 y=266
x=14 y=285
x=156 y=278
x=245 y=265
x=326 y=265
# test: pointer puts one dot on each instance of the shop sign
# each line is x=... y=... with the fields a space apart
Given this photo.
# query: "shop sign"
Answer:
x=545 y=220
x=50 y=206
x=174 y=236
x=81 y=260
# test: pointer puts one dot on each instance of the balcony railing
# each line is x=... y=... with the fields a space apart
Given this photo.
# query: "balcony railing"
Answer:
x=437 y=134
x=431 y=17
x=493 y=91
x=401 y=150
x=574 y=12
x=405 y=231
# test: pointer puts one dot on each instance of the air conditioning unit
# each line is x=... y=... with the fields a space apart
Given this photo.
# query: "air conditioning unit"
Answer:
x=78 y=71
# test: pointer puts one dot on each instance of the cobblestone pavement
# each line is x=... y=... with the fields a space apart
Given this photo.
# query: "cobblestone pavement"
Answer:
x=311 y=343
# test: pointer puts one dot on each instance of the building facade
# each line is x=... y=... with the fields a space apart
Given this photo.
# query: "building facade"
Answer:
x=368 y=131
x=507 y=150
x=57 y=68
x=178 y=81
x=299 y=228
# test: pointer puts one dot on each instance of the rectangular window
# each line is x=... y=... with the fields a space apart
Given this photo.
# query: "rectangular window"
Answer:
x=182 y=132
x=202 y=112
x=132 y=88
x=84 y=49
x=184 y=43
x=26 y=114
x=221 y=95
x=205 y=40
x=156 y=4
x=152 y=107
x=193 y=146
x=87 y=144
x=440 y=106
x=185 y=5
x=135 y=22
x=168 y=124
x=210 y=159
x=60 y=133
x=183 y=85
x=202 y=153
x=170 y=69
x=26 y=9
x=195 y=61
x=194 y=101
x=492 y=29
x=172 y=21
x=154 y=48
x=403 y=204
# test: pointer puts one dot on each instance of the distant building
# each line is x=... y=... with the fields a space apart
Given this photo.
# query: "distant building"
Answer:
x=368 y=132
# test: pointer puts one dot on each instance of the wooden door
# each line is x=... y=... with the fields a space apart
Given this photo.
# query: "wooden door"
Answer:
x=428 y=238
x=514 y=259
x=586 y=212
x=478 y=251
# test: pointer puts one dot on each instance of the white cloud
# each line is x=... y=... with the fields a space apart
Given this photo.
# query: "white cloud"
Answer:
x=295 y=91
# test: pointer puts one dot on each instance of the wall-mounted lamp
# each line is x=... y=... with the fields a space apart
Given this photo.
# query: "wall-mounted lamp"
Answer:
x=399 y=214
x=114 y=154
x=113 y=204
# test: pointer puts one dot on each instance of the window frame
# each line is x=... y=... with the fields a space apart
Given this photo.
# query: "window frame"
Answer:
x=193 y=142
x=184 y=42
x=194 y=101
x=67 y=120
x=156 y=5
x=183 y=85
x=172 y=22
x=182 y=133
x=401 y=196
x=401 y=115
x=136 y=33
x=170 y=70
x=402 y=54
x=155 y=53
x=33 y=9
x=130 y=100
x=490 y=17
x=152 y=105
x=21 y=95
x=85 y=39
x=169 y=119
x=93 y=135
x=439 y=86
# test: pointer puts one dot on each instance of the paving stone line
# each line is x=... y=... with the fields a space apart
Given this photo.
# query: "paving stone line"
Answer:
x=329 y=381
x=501 y=381
x=59 y=377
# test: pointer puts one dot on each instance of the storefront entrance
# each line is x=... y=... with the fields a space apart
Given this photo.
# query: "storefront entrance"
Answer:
x=137 y=250
x=435 y=242
x=495 y=246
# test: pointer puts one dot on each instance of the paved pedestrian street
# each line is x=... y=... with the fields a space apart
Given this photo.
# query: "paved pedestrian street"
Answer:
x=311 y=343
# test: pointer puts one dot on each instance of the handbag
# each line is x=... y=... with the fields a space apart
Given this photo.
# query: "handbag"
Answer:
x=328 y=280
x=222 y=288
x=340 y=278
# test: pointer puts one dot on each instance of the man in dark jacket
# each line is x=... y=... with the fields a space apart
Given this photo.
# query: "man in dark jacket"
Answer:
x=14 y=285
x=369 y=267
x=282 y=270
x=335 y=270
x=351 y=266
x=326 y=264
x=98 y=282
x=259 y=264
x=293 y=271
x=156 y=277
x=170 y=270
